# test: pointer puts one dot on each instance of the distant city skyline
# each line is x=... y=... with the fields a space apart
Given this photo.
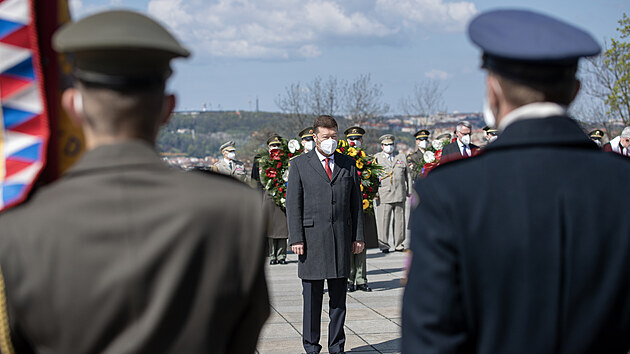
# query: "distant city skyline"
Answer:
x=249 y=49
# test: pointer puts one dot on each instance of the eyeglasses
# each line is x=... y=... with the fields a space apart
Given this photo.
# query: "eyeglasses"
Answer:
x=308 y=138
x=274 y=145
x=421 y=138
x=388 y=144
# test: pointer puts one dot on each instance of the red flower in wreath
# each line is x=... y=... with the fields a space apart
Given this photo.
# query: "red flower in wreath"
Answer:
x=271 y=172
x=275 y=154
x=280 y=189
x=279 y=164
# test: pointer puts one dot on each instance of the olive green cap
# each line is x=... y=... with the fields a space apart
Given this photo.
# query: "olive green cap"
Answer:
x=119 y=48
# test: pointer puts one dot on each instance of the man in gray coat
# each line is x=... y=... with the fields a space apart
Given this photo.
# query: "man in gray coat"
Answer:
x=325 y=220
x=123 y=254
x=392 y=194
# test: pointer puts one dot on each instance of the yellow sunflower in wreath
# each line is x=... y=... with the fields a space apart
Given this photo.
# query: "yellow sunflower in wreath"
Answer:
x=359 y=164
x=366 y=174
x=366 y=204
x=352 y=152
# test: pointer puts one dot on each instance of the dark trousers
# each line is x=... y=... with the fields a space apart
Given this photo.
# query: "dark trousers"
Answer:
x=312 y=293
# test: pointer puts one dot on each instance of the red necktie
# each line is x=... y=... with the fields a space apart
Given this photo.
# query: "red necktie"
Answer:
x=327 y=168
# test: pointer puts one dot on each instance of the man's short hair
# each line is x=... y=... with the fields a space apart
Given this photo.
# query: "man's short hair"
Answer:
x=324 y=121
x=463 y=123
x=521 y=92
x=625 y=133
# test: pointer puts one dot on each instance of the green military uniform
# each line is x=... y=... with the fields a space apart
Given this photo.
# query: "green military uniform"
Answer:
x=358 y=262
x=392 y=195
x=415 y=158
x=231 y=167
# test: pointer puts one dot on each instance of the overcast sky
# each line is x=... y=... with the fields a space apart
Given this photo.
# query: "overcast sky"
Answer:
x=244 y=49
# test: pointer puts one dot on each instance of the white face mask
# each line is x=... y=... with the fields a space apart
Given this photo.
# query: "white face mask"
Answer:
x=388 y=149
x=309 y=145
x=231 y=155
x=598 y=142
x=465 y=139
x=328 y=146
x=488 y=115
x=492 y=138
x=422 y=144
x=357 y=143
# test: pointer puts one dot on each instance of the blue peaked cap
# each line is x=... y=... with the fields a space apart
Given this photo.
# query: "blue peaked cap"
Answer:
x=516 y=39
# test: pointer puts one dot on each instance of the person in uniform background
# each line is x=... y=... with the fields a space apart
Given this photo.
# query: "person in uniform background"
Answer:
x=124 y=254
x=278 y=231
x=357 y=280
x=462 y=147
x=229 y=165
x=535 y=258
x=392 y=194
x=620 y=144
x=596 y=135
x=490 y=134
x=306 y=135
x=415 y=158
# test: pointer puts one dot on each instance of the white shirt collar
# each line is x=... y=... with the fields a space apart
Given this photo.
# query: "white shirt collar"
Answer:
x=227 y=161
x=322 y=157
x=532 y=111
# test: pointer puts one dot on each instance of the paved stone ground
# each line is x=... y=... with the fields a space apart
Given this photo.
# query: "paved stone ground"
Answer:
x=372 y=318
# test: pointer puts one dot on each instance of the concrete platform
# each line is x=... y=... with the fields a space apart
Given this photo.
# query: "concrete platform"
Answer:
x=372 y=318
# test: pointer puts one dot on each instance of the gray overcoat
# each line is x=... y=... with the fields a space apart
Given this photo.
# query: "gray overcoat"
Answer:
x=325 y=214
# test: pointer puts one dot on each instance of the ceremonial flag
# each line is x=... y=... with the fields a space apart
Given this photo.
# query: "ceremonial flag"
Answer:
x=37 y=141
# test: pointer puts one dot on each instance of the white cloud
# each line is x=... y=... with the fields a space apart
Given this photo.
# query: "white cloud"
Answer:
x=289 y=29
x=436 y=74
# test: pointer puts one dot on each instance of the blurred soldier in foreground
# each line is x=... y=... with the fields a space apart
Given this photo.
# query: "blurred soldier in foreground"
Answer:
x=620 y=144
x=535 y=258
x=307 y=139
x=229 y=165
x=596 y=135
x=357 y=280
x=392 y=194
x=415 y=158
x=123 y=254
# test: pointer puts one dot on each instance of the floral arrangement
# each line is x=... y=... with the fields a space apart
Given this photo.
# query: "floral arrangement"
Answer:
x=274 y=170
x=367 y=169
x=430 y=158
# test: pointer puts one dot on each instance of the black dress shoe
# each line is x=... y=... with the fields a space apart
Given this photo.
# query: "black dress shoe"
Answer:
x=282 y=261
x=385 y=250
x=350 y=287
x=364 y=287
x=273 y=261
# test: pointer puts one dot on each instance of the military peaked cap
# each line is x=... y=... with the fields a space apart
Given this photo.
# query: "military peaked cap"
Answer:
x=528 y=46
x=387 y=139
x=422 y=134
x=274 y=139
x=354 y=131
x=306 y=132
x=229 y=146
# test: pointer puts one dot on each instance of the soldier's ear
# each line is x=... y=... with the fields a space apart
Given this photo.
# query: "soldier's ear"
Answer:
x=168 y=106
x=72 y=103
